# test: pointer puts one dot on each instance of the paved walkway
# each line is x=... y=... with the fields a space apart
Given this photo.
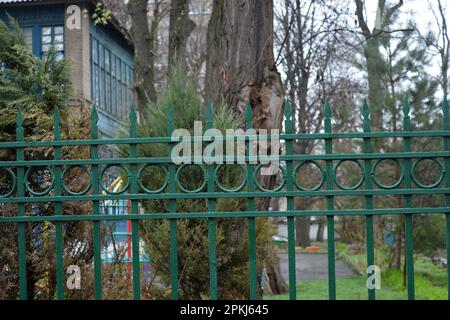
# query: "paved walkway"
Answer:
x=312 y=266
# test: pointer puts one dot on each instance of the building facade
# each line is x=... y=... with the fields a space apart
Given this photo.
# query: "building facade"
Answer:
x=102 y=55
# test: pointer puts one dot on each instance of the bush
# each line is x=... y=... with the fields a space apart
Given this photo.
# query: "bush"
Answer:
x=36 y=87
x=232 y=245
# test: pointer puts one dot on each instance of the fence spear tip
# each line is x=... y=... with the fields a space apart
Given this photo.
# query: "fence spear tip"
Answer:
x=406 y=107
x=19 y=118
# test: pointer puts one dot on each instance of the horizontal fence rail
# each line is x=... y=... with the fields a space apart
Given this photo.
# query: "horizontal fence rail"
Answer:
x=329 y=187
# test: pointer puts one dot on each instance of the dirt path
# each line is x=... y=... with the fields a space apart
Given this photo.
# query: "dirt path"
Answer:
x=312 y=266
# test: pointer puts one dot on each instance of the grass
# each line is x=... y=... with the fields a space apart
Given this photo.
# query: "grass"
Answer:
x=347 y=288
x=425 y=289
x=430 y=280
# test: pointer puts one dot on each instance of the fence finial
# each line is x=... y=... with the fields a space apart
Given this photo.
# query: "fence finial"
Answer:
x=327 y=116
x=445 y=107
x=446 y=114
x=366 y=115
x=94 y=116
x=170 y=119
x=209 y=115
x=56 y=123
x=287 y=110
x=248 y=115
x=94 y=120
x=327 y=113
x=19 y=126
x=287 y=117
x=406 y=118
x=19 y=118
x=56 y=117
x=133 y=115
x=365 y=110
x=406 y=108
x=133 y=122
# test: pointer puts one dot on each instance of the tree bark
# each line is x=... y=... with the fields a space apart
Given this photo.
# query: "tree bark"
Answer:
x=303 y=226
x=144 y=55
x=179 y=31
x=240 y=68
x=320 y=230
x=240 y=63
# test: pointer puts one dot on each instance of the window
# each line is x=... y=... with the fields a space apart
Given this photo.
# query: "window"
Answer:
x=28 y=35
x=107 y=82
x=101 y=97
x=111 y=81
x=53 y=36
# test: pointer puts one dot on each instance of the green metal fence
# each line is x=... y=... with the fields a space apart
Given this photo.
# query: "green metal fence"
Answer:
x=407 y=186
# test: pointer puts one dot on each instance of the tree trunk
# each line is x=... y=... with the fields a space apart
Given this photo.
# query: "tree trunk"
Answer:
x=240 y=68
x=320 y=230
x=375 y=70
x=376 y=65
x=399 y=243
x=303 y=227
x=179 y=30
x=240 y=63
x=144 y=55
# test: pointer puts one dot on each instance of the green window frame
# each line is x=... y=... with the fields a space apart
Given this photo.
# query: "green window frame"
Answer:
x=52 y=36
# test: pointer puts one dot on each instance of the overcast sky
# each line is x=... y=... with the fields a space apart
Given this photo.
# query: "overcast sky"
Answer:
x=418 y=8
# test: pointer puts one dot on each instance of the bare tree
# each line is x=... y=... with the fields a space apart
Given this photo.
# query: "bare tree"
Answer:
x=144 y=38
x=310 y=54
x=181 y=26
x=441 y=42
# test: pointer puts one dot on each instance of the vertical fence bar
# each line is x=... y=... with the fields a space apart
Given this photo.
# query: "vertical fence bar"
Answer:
x=211 y=221
x=173 y=209
x=408 y=203
x=21 y=226
x=96 y=209
x=134 y=209
x=251 y=207
x=447 y=185
x=368 y=199
x=58 y=209
x=290 y=204
x=330 y=206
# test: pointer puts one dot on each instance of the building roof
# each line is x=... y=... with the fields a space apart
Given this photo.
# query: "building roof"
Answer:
x=114 y=21
x=14 y=1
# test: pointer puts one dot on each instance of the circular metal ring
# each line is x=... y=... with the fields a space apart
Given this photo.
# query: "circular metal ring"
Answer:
x=177 y=178
x=14 y=182
x=383 y=186
x=166 y=180
x=239 y=187
x=322 y=179
x=127 y=173
x=357 y=185
x=66 y=188
x=42 y=193
x=425 y=186
x=278 y=188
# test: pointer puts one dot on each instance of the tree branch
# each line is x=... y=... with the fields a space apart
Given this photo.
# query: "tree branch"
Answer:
x=361 y=21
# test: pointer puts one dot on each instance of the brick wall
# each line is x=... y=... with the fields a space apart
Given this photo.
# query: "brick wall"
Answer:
x=76 y=45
